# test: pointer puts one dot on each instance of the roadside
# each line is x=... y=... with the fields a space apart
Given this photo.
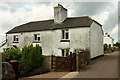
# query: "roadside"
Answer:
x=51 y=75
x=103 y=67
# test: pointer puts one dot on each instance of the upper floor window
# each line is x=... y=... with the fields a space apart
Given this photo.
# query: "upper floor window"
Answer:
x=37 y=37
x=65 y=34
x=15 y=38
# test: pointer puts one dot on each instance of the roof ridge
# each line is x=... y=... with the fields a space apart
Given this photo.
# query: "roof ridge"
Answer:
x=40 y=21
x=82 y=16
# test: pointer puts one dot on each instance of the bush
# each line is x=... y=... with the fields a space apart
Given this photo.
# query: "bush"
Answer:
x=13 y=53
x=31 y=59
x=84 y=58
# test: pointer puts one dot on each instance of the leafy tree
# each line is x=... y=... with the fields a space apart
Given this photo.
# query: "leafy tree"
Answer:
x=117 y=44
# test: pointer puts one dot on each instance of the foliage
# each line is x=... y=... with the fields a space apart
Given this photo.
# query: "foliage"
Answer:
x=84 y=58
x=23 y=68
x=13 y=53
x=31 y=59
x=67 y=50
x=117 y=45
x=88 y=56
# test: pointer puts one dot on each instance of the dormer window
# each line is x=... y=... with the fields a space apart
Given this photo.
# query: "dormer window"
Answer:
x=37 y=37
x=65 y=34
x=15 y=38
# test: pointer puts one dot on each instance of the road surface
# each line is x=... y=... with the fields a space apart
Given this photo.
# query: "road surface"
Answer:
x=103 y=67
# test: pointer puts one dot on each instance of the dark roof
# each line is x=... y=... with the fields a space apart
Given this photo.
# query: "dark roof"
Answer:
x=72 y=22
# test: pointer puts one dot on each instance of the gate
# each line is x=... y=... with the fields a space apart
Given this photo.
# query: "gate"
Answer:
x=68 y=63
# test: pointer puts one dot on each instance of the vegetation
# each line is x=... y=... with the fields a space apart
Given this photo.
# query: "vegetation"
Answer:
x=84 y=57
x=117 y=45
x=29 y=59
x=11 y=54
x=67 y=50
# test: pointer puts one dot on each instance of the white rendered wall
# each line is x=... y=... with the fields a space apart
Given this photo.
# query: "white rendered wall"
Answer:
x=96 y=40
x=50 y=40
x=108 y=40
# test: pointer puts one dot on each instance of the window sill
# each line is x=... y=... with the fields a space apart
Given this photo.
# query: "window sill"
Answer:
x=36 y=41
x=15 y=42
x=64 y=40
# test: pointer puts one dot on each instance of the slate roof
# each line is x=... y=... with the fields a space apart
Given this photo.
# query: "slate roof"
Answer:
x=72 y=22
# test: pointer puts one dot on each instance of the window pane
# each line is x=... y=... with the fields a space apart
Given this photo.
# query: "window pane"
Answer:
x=38 y=38
x=35 y=37
x=63 y=32
x=67 y=35
x=14 y=38
x=62 y=52
x=66 y=54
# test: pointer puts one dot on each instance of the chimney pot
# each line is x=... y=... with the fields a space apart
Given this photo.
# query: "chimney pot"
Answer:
x=60 y=5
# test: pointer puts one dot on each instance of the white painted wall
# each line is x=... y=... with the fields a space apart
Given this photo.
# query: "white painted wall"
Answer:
x=2 y=48
x=80 y=38
x=108 y=40
x=50 y=40
x=27 y=38
x=96 y=40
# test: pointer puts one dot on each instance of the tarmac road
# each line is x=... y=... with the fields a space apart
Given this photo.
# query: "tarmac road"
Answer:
x=103 y=67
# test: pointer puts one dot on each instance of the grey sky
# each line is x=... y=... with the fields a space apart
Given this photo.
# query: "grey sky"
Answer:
x=17 y=13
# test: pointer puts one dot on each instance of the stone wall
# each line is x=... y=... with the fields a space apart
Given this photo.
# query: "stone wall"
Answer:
x=7 y=71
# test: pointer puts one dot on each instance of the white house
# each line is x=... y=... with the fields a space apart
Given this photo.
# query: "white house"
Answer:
x=57 y=34
x=108 y=40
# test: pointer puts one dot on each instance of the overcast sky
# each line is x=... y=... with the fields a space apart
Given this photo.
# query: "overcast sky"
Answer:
x=16 y=13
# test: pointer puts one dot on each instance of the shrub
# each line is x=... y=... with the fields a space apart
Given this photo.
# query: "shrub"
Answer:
x=84 y=58
x=13 y=53
x=31 y=59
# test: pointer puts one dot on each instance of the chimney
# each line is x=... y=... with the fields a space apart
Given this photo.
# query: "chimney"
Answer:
x=60 y=14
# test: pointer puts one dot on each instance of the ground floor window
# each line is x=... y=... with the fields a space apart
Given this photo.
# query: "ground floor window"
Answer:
x=64 y=53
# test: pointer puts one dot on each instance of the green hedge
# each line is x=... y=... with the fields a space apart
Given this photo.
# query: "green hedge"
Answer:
x=31 y=59
x=13 y=53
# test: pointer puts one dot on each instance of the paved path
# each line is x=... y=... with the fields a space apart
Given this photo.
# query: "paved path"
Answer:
x=103 y=67
x=46 y=75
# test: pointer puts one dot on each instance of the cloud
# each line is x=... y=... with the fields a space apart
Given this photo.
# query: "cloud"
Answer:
x=111 y=21
x=88 y=8
x=16 y=13
x=114 y=30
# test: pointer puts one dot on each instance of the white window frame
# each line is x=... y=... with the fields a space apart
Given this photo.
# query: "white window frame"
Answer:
x=15 y=38
x=64 y=35
x=38 y=37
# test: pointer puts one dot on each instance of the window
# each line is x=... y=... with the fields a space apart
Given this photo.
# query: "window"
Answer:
x=65 y=34
x=15 y=38
x=37 y=37
x=64 y=53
